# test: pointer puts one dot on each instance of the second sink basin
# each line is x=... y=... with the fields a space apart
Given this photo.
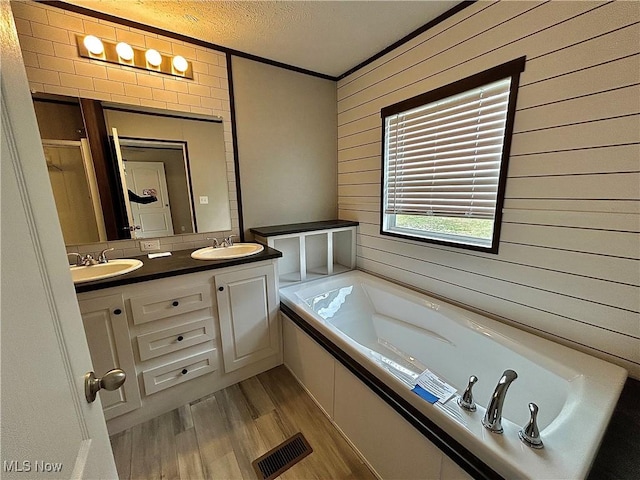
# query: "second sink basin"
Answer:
x=112 y=268
x=236 y=250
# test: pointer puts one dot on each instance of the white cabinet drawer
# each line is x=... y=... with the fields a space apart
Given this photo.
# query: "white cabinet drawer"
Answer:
x=164 y=304
x=160 y=342
x=179 y=371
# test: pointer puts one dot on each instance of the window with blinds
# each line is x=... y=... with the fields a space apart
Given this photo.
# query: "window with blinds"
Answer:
x=445 y=157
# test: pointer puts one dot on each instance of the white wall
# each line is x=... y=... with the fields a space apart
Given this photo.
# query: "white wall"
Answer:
x=568 y=265
x=286 y=127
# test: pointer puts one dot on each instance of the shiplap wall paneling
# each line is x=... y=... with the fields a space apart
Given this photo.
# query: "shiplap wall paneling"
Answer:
x=569 y=261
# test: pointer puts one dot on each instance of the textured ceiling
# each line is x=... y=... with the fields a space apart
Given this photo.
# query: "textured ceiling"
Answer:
x=328 y=37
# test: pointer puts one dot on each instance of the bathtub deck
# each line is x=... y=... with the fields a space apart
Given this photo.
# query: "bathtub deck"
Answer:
x=220 y=435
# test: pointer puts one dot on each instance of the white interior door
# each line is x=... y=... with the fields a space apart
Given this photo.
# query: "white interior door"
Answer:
x=123 y=181
x=154 y=218
x=48 y=428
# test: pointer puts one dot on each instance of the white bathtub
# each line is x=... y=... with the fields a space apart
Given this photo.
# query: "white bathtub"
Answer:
x=395 y=333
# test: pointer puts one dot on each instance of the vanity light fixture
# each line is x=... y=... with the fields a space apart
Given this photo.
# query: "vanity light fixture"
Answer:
x=153 y=57
x=125 y=52
x=180 y=63
x=121 y=53
x=93 y=44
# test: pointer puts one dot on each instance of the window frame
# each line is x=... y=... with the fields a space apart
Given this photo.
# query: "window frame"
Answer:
x=510 y=69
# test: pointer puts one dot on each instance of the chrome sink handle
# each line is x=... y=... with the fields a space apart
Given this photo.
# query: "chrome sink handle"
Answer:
x=214 y=242
x=228 y=242
x=102 y=258
x=78 y=258
x=466 y=400
x=529 y=434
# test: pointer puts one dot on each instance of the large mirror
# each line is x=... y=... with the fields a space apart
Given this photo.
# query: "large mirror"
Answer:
x=152 y=174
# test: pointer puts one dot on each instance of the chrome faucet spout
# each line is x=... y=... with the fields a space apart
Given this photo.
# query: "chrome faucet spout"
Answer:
x=493 y=416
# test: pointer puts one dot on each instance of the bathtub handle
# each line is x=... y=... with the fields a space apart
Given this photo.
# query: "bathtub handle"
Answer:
x=529 y=434
x=466 y=400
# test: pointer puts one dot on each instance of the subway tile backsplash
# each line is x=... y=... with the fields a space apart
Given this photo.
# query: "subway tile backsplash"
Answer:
x=131 y=248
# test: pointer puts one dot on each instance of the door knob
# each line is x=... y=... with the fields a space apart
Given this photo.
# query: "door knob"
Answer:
x=112 y=380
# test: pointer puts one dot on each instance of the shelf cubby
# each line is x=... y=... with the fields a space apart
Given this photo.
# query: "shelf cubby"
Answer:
x=289 y=263
x=316 y=257
x=311 y=250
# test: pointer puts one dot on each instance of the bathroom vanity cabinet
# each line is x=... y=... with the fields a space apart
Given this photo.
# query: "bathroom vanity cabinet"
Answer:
x=311 y=250
x=181 y=338
x=106 y=327
x=247 y=309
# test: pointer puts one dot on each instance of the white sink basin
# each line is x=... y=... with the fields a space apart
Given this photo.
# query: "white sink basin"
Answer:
x=112 y=268
x=237 y=250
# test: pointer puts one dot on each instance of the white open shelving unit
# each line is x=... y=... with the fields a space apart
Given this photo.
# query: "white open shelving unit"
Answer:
x=311 y=250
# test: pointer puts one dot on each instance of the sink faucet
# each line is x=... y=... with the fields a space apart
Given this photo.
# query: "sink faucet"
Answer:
x=228 y=242
x=493 y=416
x=86 y=260
x=102 y=258
x=214 y=242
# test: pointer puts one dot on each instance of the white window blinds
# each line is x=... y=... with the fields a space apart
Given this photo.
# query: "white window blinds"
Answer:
x=443 y=158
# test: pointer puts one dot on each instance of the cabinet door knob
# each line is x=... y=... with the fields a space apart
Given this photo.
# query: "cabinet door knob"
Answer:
x=117 y=311
x=220 y=289
x=180 y=338
x=175 y=303
x=185 y=371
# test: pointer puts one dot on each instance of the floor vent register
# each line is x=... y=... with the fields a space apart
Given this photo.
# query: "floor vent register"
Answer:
x=282 y=457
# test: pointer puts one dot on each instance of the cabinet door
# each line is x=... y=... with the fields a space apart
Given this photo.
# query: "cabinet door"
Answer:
x=105 y=325
x=248 y=310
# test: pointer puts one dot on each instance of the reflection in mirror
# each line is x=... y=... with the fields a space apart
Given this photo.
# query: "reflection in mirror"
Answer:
x=74 y=190
x=207 y=186
x=174 y=166
x=159 y=185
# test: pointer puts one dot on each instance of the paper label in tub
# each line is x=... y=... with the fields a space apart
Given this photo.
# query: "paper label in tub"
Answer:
x=434 y=385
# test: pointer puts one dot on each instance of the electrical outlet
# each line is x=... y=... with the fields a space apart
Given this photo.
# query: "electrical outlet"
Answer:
x=148 y=245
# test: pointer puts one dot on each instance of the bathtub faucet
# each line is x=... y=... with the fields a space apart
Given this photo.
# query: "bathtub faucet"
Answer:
x=493 y=416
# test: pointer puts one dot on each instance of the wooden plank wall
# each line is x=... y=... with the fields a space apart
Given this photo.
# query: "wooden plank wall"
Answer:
x=569 y=261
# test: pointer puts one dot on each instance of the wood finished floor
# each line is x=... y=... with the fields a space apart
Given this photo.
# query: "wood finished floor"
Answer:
x=217 y=437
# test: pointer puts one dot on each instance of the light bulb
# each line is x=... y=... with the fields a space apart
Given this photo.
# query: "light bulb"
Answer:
x=153 y=57
x=180 y=63
x=125 y=52
x=93 y=44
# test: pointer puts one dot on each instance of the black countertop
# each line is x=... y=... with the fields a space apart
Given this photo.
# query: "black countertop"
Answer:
x=619 y=454
x=179 y=263
x=289 y=228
